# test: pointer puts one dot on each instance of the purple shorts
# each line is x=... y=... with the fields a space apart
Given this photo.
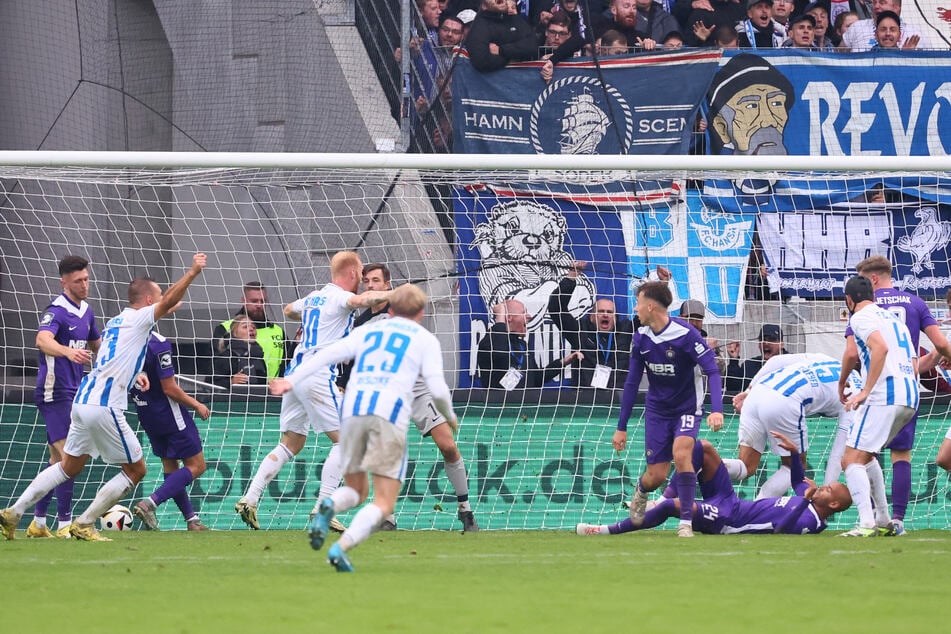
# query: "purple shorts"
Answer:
x=660 y=431
x=718 y=504
x=56 y=417
x=179 y=444
x=904 y=440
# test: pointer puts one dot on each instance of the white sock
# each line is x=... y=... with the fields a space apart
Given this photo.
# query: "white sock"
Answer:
x=834 y=465
x=63 y=524
x=47 y=480
x=876 y=479
x=107 y=495
x=331 y=473
x=456 y=472
x=39 y=520
x=367 y=520
x=777 y=484
x=736 y=468
x=270 y=467
x=344 y=499
x=856 y=478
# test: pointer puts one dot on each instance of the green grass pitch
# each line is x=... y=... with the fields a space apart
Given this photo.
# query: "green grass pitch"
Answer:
x=526 y=581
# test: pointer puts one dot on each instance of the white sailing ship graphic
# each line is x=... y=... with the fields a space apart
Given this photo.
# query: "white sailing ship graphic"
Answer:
x=583 y=125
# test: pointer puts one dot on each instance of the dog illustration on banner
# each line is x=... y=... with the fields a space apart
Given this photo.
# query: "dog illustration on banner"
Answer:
x=929 y=235
x=523 y=257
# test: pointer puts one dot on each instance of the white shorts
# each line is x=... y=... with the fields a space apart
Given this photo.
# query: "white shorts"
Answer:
x=873 y=426
x=375 y=445
x=765 y=410
x=314 y=403
x=425 y=415
x=948 y=435
x=95 y=430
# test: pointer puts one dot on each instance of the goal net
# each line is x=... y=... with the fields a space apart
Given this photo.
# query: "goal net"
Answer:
x=475 y=232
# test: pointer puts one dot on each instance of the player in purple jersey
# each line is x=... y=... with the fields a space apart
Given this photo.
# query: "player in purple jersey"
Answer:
x=164 y=416
x=912 y=310
x=66 y=339
x=98 y=426
x=672 y=351
x=722 y=512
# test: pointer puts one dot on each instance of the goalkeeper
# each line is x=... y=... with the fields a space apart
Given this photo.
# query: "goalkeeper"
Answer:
x=722 y=512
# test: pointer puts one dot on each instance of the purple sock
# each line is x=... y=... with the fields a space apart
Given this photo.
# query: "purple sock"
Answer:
x=174 y=484
x=654 y=517
x=183 y=502
x=697 y=456
x=686 y=491
x=670 y=491
x=901 y=488
x=64 y=500
x=40 y=508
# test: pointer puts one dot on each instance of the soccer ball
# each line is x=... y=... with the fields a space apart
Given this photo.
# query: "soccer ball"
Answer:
x=118 y=518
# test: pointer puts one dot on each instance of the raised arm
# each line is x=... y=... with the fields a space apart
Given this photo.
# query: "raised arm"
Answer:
x=176 y=291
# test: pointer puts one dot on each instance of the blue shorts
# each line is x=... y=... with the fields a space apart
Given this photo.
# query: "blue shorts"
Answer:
x=56 y=418
x=660 y=432
x=178 y=445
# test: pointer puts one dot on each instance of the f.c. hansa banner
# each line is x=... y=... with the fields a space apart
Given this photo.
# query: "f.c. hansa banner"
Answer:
x=646 y=104
x=814 y=230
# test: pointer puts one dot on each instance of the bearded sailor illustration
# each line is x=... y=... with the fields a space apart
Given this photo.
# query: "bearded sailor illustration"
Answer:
x=523 y=258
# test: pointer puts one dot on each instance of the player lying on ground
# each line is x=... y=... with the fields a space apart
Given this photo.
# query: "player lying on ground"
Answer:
x=721 y=511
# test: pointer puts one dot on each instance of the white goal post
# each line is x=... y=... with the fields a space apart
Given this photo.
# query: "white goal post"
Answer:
x=473 y=230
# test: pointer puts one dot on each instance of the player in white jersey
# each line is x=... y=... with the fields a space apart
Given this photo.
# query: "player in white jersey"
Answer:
x=887 y=400
x=98 y=425
x=788 y=389
x=390 y=356
x=428 y=420
x=326 y=316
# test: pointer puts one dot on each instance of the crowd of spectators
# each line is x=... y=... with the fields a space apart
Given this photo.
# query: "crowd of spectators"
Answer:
x=497 y=32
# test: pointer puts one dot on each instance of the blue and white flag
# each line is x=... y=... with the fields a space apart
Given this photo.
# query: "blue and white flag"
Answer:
x=520 y=247
x=705 y=249
x=647 y=104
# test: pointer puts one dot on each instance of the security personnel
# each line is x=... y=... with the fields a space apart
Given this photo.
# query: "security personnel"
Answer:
x=270 y=335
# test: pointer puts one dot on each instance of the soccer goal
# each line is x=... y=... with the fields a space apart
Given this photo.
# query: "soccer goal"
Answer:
x=763 y=243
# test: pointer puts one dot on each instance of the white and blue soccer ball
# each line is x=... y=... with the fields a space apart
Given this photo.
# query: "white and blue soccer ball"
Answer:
x=118 y=518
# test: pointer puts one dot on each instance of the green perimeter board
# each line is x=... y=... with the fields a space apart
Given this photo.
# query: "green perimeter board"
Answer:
x=545 y=467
